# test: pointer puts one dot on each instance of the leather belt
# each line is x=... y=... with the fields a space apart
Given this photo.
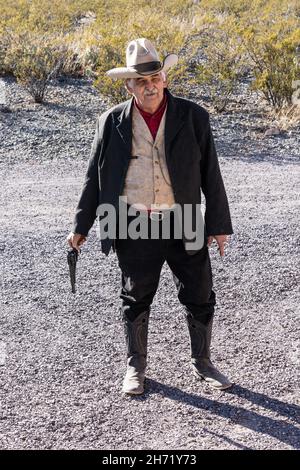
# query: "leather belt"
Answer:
x=153 y=214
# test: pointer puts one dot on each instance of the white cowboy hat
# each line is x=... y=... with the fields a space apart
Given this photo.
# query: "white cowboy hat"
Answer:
x=142 y=59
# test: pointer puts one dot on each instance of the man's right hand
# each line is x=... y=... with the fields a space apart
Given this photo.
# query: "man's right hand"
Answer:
x=75 y=240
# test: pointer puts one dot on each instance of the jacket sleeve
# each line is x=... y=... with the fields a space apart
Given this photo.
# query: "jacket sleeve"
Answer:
x=90 y=195
x=217 y=214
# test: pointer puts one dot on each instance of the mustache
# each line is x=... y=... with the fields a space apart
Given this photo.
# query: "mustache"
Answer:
x=150 y=93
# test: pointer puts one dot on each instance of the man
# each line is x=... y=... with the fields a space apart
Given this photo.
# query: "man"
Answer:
x=157 y=151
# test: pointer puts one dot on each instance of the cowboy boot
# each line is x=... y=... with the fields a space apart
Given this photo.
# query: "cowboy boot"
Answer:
x=200 y=335
x=136 y=333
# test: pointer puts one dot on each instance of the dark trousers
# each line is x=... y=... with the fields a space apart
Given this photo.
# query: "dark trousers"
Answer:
x=141 y=262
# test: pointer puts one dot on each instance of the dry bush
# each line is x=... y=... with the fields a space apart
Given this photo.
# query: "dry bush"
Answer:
x=258 y=36
x=35 y=61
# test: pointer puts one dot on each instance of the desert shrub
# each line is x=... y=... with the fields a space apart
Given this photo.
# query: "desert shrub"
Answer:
x=272 y=52
x=219 y=65
x=259 y=37
x=35 y=61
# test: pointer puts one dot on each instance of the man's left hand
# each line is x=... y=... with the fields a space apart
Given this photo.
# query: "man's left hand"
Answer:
x=221 y=241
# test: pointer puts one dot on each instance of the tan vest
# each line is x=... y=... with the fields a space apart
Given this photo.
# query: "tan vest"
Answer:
x=147 y=181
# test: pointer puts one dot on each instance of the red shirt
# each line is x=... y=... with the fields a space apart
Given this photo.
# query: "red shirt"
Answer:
x=153 y=120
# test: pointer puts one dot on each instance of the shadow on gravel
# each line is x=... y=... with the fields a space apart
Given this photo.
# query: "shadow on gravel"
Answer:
x=281 y=408
x=276 y=428
x=227 y=439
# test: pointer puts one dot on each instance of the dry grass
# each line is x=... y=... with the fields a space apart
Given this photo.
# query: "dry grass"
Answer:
x=288 y=117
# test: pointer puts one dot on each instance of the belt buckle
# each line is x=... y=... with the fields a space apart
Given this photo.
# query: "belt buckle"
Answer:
x=159 y=214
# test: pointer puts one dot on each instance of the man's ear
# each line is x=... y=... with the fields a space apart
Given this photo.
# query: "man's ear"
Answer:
x=165 y=79
x=127 y=86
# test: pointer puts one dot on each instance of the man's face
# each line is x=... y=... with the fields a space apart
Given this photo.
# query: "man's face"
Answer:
x=148 y=91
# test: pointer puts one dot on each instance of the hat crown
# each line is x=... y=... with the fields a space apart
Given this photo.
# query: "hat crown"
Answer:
x=140 y=51
x=142 y=59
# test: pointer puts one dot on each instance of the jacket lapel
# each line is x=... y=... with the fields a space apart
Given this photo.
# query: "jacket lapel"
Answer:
x=124 y=125
x=174 y=122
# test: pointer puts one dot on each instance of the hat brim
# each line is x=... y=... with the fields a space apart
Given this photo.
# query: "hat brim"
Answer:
x=129 y=72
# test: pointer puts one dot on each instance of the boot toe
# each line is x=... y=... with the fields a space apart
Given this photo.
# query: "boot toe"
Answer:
x=133 y=383
x=133 y=387
x=206 y=371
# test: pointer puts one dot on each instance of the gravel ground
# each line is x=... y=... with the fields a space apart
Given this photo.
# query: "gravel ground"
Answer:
x=62 y=355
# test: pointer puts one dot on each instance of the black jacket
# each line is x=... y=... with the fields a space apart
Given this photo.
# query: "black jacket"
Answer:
x=191 y=159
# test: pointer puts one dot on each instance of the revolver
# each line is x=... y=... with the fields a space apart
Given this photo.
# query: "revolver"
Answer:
x=72 y=258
